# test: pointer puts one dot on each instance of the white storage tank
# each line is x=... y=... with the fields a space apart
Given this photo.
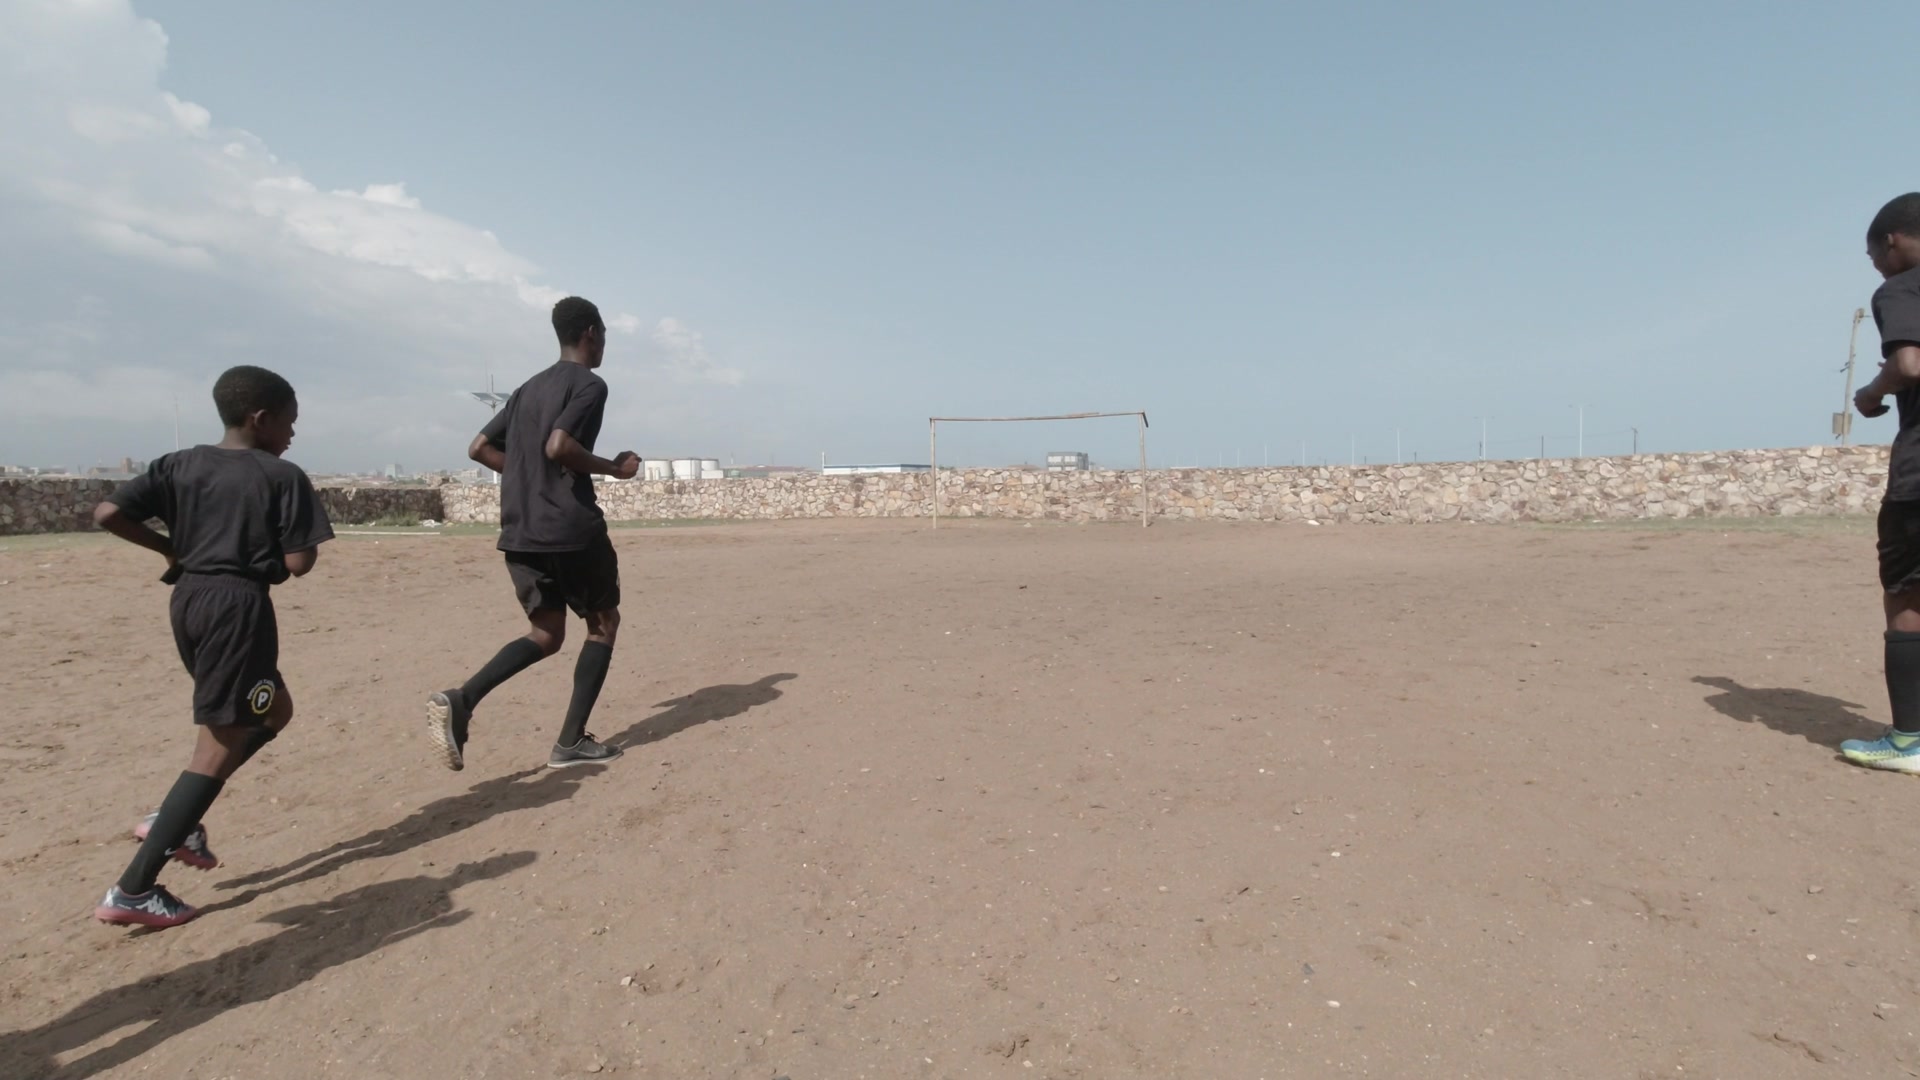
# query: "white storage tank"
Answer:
x=710 y=469
x=686 y=468
x=656 y=469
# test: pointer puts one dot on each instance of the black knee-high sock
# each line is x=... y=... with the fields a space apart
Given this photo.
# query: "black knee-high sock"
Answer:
x=183 y=808
x=1903 y=680
x=515 y=657
x=589 y=674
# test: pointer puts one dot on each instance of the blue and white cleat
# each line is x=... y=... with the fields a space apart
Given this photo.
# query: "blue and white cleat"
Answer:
x=1896 y=751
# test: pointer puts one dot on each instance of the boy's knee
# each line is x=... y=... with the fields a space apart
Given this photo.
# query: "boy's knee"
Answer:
x=604 y=625
x=549 y=635
x=281 y=714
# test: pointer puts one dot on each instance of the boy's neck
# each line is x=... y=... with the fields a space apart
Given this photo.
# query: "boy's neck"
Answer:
x=569 y=356
x=239 y=439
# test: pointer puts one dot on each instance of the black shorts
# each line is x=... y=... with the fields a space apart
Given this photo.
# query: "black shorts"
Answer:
x=1900 y=547
x=587 y=580
x=229 y=641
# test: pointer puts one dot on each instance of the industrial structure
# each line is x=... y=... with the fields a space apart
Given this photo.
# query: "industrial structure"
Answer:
x=681 y=468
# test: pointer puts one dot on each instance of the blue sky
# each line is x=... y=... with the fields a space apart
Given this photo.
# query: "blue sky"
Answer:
x=819 y=224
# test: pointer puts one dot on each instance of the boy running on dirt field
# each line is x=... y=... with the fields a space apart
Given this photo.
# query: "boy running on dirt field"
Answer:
x=555 y=538
x=239 y=521
x=1893 y=243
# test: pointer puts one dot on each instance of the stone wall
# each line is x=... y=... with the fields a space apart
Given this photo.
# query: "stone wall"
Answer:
x=1750 y=483
x=66 y=505
x=47 y=506
x=366 y=505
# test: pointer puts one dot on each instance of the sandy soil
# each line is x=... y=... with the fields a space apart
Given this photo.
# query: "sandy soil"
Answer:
x=1001 y=801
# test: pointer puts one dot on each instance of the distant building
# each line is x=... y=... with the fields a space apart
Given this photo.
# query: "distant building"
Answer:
x=871 y=470
x=1068 y=461
x=681 y=468
x=761 y=472
x=394 y=472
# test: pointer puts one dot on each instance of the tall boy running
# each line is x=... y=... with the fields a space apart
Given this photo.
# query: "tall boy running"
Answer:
x=1893 y=243
x=555 y=538
x=239 y=521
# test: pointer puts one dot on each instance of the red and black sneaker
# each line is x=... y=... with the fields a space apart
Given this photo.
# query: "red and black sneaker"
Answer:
x=193 y=850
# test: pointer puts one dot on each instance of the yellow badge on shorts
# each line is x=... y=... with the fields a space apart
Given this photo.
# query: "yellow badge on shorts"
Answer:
x=260 y=698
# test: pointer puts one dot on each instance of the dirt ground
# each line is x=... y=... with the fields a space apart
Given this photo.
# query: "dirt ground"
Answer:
x=1001 y=801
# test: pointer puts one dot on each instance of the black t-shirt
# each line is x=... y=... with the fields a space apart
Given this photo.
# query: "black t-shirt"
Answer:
x=543 y=507
x=234 y=512
x=1896 y=311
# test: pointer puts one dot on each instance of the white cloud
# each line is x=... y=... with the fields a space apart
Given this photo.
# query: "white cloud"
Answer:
x=393 y=195
x=123 y=239
x=107 y=125
x=686 y=352
x=197 y=248
x=193 y=119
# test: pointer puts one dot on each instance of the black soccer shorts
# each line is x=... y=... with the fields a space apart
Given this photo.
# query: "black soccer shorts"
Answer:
x=586 y=581
x=229 y=640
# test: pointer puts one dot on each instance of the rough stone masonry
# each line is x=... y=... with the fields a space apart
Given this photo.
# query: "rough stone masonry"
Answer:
x=1745 y=483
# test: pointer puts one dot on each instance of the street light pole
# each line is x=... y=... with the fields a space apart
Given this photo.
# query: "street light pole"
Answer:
x=1843 y=420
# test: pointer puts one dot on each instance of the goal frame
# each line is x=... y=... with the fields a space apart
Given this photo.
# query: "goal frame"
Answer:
x=933 y=448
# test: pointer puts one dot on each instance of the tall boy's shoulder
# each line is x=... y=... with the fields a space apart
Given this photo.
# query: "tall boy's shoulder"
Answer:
x=279 y=468
x=1904 y=286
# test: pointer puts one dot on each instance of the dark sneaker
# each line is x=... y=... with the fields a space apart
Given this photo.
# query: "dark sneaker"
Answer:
x=193 y=850
x=156 y=907
x=588 y=751
x=447 y=719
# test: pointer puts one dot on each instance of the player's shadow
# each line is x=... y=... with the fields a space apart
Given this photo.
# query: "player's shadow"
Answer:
x=721 y=702
x=1817 y=718
x=317 y=937
x=527 y=789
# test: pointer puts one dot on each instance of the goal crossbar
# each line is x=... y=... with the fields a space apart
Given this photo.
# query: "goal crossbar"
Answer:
x=933 y=447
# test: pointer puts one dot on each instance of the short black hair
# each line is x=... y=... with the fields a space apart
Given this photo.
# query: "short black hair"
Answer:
x=573 y=317
x=242 y=391
x=1901 y=216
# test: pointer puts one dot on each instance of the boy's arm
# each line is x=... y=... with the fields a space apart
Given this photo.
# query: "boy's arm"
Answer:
x=1896 y=312
x=303 y=525
x=582 y=413
x=300 y=563
x=1900 y=371
x=125 y=513
x=489 y=448
x=123 y=525
x=565 y=451
x=485 y=451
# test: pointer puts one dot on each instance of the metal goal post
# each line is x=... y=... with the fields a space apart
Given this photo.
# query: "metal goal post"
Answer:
x=933 y=447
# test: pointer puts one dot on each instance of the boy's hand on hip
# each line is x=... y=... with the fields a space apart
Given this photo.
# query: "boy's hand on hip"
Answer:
x=1870 y=404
